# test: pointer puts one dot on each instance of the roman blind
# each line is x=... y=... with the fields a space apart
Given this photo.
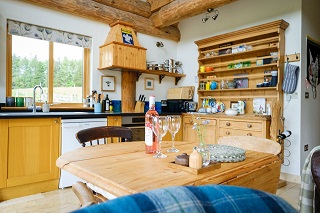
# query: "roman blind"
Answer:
x=47 y=34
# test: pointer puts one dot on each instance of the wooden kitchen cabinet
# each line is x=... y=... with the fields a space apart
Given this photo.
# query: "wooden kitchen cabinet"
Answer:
x=32 y=147
x=243 y=56
x=3 y=152
x=114 y=120
x=222 y=125
x=190 y=134
x=233 y=127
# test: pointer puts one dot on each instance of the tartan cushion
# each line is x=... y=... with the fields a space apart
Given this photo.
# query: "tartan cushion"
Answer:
x=208 y=198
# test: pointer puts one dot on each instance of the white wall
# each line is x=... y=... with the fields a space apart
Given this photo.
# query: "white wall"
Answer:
x=310 y=115
x=17 y=10
x=239 y=15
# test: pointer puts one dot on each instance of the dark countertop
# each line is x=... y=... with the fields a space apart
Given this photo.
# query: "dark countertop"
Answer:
x=68 y=115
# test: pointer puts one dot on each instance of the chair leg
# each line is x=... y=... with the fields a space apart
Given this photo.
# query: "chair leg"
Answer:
x=84 y=194
x=99 y=198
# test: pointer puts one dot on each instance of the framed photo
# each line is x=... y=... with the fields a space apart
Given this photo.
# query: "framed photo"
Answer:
x=107 y=83
x=234 y=105
x=148 y=83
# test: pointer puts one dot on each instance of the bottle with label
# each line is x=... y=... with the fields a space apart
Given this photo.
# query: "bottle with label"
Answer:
x=150 y=137
x=107 y=104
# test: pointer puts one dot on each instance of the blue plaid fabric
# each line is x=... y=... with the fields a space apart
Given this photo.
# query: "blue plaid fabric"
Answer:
x=194 y=199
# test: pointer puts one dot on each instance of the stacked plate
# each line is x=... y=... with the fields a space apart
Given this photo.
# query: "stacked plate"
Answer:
x=224 y=153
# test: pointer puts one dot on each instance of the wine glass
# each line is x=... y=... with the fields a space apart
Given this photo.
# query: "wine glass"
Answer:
x=160 y=128
x=174 y=122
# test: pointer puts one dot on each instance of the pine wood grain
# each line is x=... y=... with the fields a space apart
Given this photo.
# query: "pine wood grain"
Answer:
x=138 y=7
x=106 y=14
x=124 y=168
x=181 y=9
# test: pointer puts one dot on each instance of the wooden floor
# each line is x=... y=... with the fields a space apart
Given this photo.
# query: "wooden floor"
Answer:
x=64 y=200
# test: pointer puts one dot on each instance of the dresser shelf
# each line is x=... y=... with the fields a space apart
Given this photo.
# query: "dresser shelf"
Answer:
x=160 y=73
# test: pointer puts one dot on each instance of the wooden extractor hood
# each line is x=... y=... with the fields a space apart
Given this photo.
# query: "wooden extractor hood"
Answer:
x=121 y=50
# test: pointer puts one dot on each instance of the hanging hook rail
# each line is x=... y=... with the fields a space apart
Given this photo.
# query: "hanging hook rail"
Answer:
x=293 y=57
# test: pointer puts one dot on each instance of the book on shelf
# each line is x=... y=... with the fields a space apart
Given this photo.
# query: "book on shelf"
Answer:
x=259 y=105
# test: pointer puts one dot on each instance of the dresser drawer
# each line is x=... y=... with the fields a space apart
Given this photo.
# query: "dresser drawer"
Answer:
x=239 y=132
x=244 y=125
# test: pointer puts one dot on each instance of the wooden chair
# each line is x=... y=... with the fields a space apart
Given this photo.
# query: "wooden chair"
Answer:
x=95 y=134
x=251 y=143
x=87 y=193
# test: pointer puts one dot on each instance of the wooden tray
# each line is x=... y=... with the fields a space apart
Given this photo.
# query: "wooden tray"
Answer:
x=210 y=167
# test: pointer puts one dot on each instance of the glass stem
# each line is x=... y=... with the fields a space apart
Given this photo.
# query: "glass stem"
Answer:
x=173 y=135
x=159 y=145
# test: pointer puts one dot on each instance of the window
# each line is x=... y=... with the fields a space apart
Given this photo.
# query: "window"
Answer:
x=68 y=73
x=61 y=69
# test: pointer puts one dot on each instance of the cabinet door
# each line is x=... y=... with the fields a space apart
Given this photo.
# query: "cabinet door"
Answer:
x=3 y=152
x=33 y=149
x=189 y=134
x=114 y=121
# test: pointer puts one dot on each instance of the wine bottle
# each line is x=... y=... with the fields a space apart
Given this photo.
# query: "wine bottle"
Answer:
x=107 y=104
x=150 y=137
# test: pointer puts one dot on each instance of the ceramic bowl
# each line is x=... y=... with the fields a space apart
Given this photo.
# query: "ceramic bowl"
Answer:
x=231 y=112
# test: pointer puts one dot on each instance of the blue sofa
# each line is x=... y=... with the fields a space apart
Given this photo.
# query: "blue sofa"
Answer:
x=208 y=198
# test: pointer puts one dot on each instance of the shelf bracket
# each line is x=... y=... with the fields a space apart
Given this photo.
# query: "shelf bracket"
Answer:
x=161 y=77
x=177 y=80
x=138 y=75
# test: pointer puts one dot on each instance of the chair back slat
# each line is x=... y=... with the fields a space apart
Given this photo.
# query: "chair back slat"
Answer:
x=103 y=132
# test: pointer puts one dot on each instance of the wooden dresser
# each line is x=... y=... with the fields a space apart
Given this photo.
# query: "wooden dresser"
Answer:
x=223 y=125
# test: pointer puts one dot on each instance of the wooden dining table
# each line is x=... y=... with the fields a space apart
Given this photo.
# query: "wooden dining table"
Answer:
x=125 y=168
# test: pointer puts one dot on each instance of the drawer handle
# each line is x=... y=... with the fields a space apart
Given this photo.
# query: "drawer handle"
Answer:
x=227 y=133
x=228 y=124
x=249 y=134
x=249 y=125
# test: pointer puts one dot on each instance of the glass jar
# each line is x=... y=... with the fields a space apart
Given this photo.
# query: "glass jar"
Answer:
x=205 y=153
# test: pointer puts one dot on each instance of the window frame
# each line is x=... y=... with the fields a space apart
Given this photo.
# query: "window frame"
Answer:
x=86 y=73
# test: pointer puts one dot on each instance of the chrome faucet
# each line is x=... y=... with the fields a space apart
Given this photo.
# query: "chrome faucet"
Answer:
x=34 y=108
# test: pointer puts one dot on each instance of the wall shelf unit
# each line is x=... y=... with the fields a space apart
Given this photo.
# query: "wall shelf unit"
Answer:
x=248 y=55
x=138 y=72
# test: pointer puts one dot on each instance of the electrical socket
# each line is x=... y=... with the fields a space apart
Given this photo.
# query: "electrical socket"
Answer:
x=306 y=95
x=306 y=147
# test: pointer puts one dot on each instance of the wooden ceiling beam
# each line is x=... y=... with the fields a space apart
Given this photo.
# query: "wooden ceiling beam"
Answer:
x=182 y=9
x=100 y=12
x=157 y=4
x=137 y=7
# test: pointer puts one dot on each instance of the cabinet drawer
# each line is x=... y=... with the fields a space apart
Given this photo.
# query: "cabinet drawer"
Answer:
x=235 y=132
x=212 y=122
x=244 y=125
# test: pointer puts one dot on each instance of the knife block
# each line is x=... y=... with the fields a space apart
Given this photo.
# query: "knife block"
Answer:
x=139 y=107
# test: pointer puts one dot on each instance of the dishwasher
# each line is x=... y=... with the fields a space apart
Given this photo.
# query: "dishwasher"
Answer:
x=69 y=128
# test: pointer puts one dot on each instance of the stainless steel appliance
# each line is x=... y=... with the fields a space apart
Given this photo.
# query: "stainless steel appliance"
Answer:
x=136 y=124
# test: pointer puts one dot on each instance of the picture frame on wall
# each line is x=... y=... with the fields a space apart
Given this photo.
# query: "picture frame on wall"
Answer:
x=108 y=83
x=148 y=84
